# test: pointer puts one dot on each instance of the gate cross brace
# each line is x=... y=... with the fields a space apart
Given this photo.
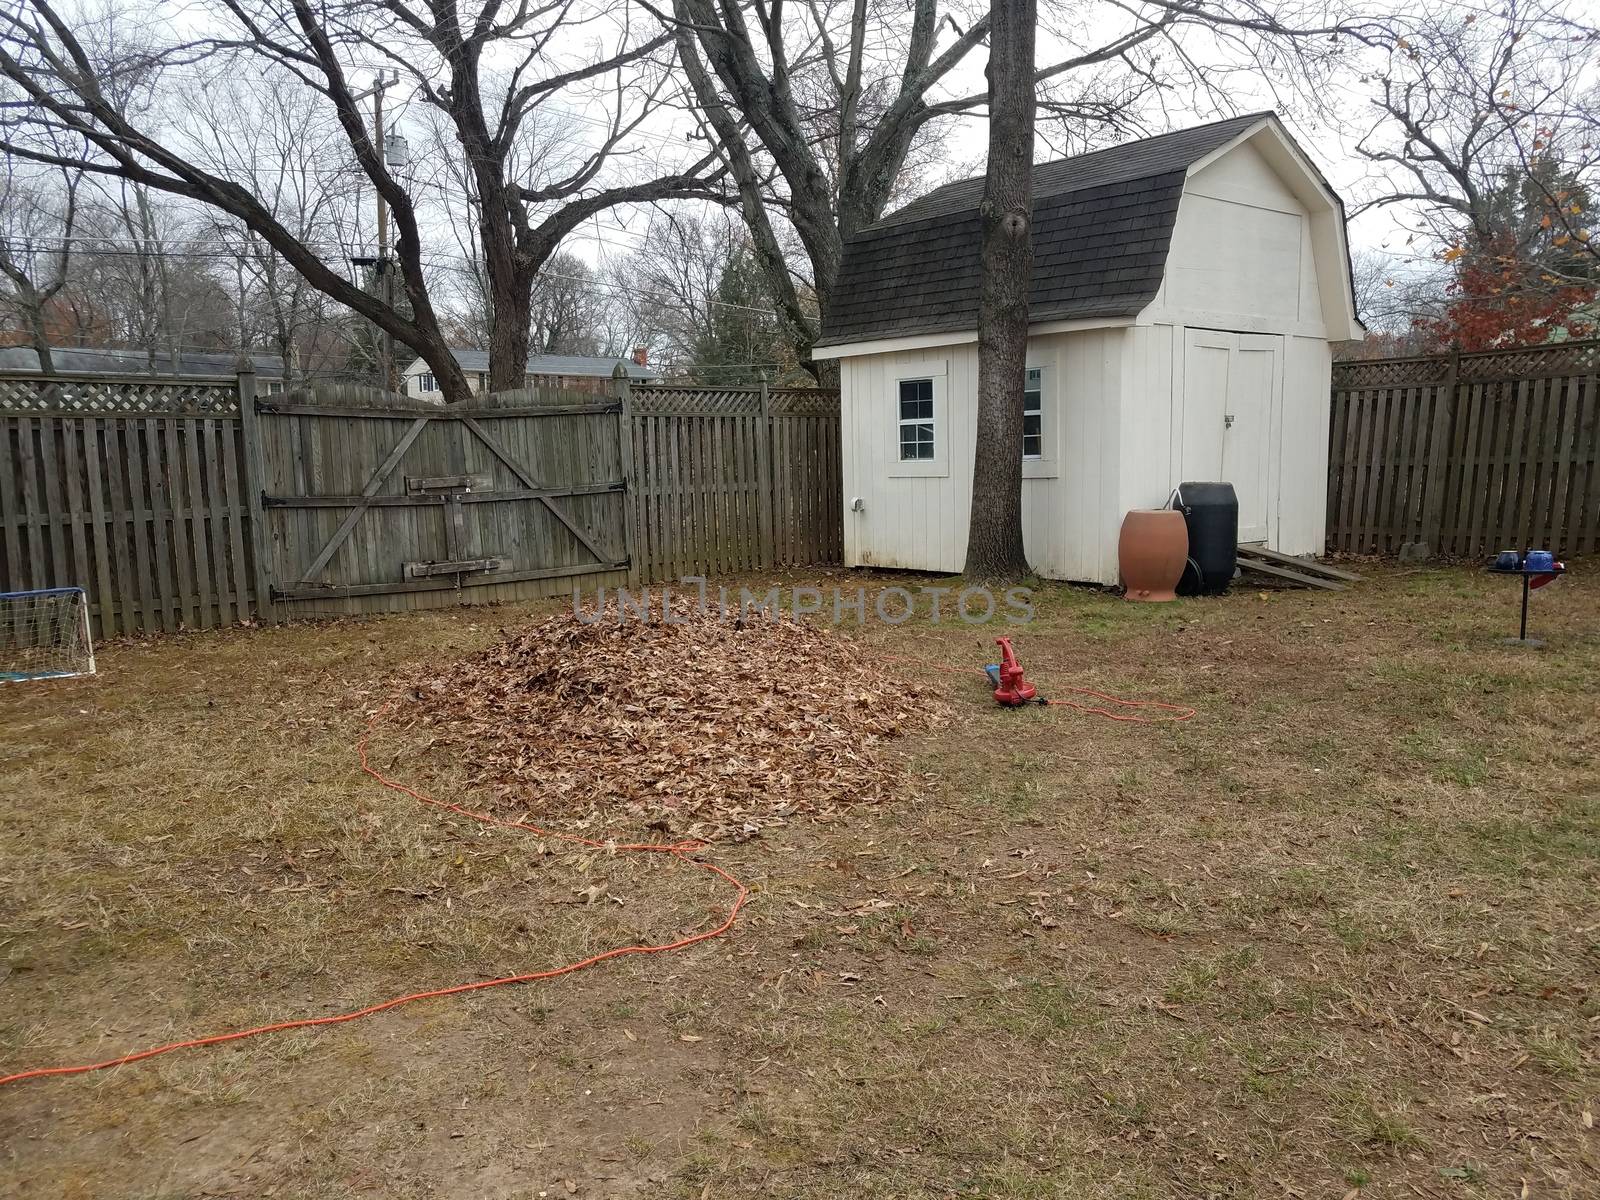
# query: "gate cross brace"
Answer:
x=385 y=469
x=528 y=481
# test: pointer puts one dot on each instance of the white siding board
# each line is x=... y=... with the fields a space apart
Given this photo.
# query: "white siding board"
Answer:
x=1303 y=446
x=1233 y=259
x=1244 y=176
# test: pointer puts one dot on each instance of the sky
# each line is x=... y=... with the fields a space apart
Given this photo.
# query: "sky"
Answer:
x=1328 y=137
x=664 y=141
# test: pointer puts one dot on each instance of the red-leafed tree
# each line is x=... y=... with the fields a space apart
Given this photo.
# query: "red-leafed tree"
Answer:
x=1502 y=297
x=1530 y=275
x=1488 y=129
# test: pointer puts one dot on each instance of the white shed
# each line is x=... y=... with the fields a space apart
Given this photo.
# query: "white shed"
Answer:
x=1185 y=292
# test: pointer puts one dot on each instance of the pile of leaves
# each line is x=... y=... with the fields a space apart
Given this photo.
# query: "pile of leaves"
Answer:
x=704 y=726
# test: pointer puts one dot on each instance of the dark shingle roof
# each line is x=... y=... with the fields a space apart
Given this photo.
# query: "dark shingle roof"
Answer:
x=557 y=364
x=93 y=360
x=1102 y=223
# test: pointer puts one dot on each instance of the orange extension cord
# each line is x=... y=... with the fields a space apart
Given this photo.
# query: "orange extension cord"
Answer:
x=678 y=850
x=1180 y=712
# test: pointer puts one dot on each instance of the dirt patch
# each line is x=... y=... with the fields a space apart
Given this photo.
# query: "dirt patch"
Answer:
x=705 y=725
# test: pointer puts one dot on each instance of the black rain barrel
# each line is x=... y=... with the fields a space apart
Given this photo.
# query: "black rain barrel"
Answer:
x=1211 y=511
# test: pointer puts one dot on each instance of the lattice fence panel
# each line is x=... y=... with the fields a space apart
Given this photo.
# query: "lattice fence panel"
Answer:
x=1563 y=358
x=1389 y=372
x=113 y=396
x=804 y=402
x=724 y=401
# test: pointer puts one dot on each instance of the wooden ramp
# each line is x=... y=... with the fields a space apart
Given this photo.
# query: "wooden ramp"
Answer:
x=1305 y=571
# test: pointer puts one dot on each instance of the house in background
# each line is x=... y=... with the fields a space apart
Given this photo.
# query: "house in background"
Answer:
x=577 y=371
x=89 y=360
x=1185 y=292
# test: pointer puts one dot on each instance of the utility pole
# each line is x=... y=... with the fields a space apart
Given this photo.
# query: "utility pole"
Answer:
x=385 y=291
x=384 y=278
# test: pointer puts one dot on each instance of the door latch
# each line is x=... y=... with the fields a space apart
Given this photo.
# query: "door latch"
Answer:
x=1227 y=420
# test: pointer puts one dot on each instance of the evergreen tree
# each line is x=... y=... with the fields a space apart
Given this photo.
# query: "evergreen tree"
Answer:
x=740 y=341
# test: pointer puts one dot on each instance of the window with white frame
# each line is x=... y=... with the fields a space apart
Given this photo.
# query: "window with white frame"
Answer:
x=1033 y=413
x=916 y=420
x=426 y=384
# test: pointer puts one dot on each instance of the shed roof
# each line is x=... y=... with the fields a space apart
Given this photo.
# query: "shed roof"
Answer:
x=576 y=365
x=95 y=360
x=1102 y=224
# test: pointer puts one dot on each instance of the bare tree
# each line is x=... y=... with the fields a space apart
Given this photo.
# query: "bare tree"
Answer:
x=1486 y=126
x=523 y=215
x=818 y=108
x=37 y=226
x=674 y=278
x=567 y=304
x=258 y=135
x=1466 y=99
x=487 y=70
x=994 y=534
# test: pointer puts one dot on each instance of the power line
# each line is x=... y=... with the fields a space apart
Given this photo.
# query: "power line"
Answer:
x=461 y=264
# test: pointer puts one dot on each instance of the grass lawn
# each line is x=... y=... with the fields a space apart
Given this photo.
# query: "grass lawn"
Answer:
x=1337 y=936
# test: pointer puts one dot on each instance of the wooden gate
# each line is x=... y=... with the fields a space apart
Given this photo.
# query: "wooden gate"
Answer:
x=390 y=503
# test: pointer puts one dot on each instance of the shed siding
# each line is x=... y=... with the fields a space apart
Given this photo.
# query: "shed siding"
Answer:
x=1243 y=253
x=1233 y=259
x=1069 y=498
x=1303 y=449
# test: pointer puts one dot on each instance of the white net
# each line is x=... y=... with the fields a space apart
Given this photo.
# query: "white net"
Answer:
x=44 y=635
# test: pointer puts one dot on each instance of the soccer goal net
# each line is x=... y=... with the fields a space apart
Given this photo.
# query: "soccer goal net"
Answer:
x=44 y=635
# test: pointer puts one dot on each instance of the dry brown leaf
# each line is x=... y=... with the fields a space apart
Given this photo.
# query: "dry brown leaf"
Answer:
x=703 y=726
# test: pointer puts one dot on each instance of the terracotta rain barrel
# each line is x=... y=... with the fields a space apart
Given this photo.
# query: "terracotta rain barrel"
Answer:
x=1152 y=551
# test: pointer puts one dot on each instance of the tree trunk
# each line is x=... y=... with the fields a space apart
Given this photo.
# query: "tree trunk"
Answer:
x=994 y=537
x=509 y=312
x=36 y=330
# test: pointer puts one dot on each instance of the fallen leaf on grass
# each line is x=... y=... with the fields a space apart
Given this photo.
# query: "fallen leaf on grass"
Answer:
x=713 y=728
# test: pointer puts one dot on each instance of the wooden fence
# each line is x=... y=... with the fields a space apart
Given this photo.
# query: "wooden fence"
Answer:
x=734 y=479
x=132 y=489
x=1465 y=454
x=187 y=503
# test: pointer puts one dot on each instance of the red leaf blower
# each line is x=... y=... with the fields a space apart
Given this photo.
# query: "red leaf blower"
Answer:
x=1010 y=688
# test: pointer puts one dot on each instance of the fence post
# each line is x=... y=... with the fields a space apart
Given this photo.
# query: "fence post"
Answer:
x=255 y=479
x=764 y=496
x=1444 y=421
x=632 y=500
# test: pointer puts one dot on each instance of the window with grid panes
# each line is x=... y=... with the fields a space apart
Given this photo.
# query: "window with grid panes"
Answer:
x=1033 y=413
x=916 y=419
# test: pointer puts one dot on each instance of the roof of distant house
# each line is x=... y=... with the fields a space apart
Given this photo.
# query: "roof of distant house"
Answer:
x=553 y=364
x=93 y=360
x=1102 y=225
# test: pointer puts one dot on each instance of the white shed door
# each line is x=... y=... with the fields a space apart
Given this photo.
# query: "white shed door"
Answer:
x=1229 y=389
